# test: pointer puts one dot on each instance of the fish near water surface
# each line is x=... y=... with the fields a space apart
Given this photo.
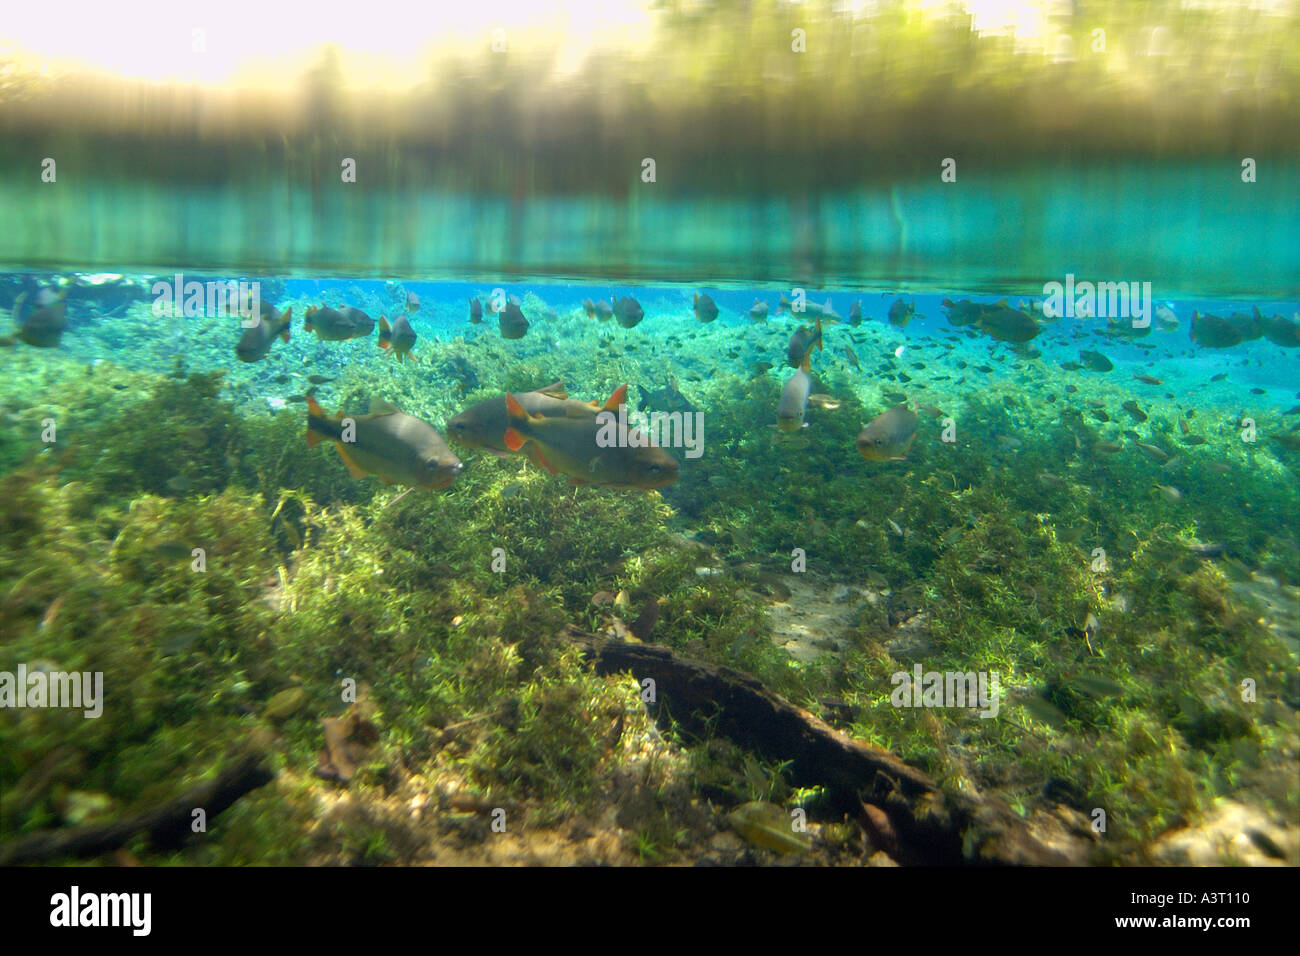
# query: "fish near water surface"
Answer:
x=706 y=310
x=1215 y=332
x=628 y=311
x=889 y=436
x=579 y=446
x=43 y=327
x=397 y=448
x=338 y=325
x=1007 y=324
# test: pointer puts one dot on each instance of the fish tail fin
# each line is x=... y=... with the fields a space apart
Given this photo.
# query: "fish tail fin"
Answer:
x=616 y=398
x=288 y=318
x=385 y=333
x=313 y=411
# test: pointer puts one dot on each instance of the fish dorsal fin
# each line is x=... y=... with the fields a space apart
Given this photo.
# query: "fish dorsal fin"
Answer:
x=1002 y=303
x=616 y=398
x=380 y=407
x=555 y=390
x=806 y=364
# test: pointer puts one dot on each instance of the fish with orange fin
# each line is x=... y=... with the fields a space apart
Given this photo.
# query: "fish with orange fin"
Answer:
x=257 y=340
x=792 y=407
x=399 y=337
x=802 y=343
x=483 y=424
x=600 y=449
x=397 y=448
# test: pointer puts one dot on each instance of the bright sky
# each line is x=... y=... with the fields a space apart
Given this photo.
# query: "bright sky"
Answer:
x=207 y=42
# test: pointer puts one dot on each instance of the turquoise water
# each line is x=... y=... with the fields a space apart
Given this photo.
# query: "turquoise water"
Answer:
x=1117 y=544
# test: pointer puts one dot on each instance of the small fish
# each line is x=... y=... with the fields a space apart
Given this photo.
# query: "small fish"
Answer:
x=1170 y=493
x=1153 y=452
x=601 y=310
x=398 y=448
x=1094 y=686
x=852 y=357
x=705 y=309
x=256 y=341
x=855 y=314
x=512 y=321
x=802 y=342
x=475 y=311
x=399 y=337
x=758 y=311
x=1095 y=361
x=1193 y=440
x=1108 y=447
x=1051 y=480
x=894 y=527
x=1166 y=320
x=1044 y=710
x=319 y=379
x=338 y=325
x=628 y=311
x=1134 y=411
x=889 y=436
x=412 y=302
x=824 y=401
x=1148 y=380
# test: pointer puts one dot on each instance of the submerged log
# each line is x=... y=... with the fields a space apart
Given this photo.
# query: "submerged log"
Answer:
x=166 y=826
x=900 y=808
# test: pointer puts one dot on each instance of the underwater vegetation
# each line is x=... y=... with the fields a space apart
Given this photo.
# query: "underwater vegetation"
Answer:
x=402 y=656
